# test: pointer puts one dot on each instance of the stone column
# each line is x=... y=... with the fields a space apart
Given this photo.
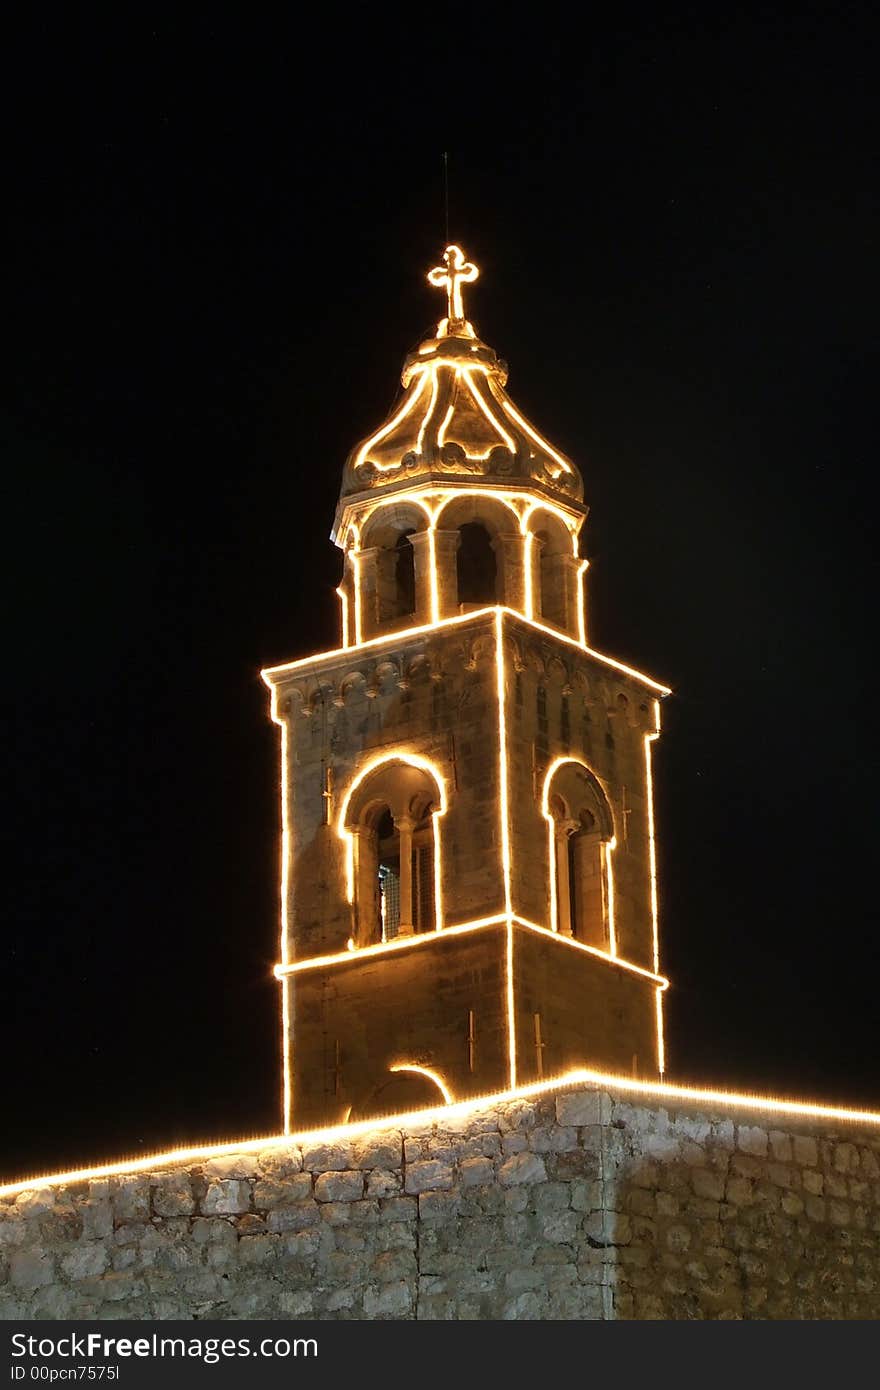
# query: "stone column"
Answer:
x=404 y=826
x=509 y=550
x=368 y=561
x=422 y=570
x=446 y=545
x=589 y=889
x=563 y=830
x=559 y=591
x=366 y=880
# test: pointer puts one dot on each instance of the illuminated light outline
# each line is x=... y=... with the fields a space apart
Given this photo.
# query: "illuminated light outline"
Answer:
x=286 y=1084
x=387 y=428
x=424 y=765
x=608 y=846
x=505 y=839
x=358 y=617
x=661 y=1042
x=528 y=562
x=454 y=273
x=515 y=497
x=660 y=981
x=420 y=441
x=663 y=1090
x=652 y=848
x=570 y=520
x=431 y=1075
x=534 y=436
x=343 y=604
x=433 y=582
x=445 y=499
x=424 y=938
x=398 y=943
x=287 y=1079
x=441 y=433
x=581 y=613
x=268 y=672
x=484 y=407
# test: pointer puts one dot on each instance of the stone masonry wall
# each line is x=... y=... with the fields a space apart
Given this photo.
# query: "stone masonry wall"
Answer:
x=578 y=1204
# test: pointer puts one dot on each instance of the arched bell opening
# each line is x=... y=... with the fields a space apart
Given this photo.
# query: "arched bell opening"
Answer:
x=554 y=571
x=480 y=554
x=392 y=819
x=394 y=585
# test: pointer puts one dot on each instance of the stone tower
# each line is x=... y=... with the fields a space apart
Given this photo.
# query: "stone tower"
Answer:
x=468 y=869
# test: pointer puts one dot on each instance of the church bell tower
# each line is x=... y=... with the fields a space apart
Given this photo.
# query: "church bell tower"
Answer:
x=468 y=883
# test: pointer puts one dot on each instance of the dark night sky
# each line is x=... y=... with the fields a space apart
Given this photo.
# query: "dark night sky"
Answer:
x=219 y=247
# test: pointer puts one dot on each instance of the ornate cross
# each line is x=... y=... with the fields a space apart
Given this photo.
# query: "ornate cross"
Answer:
x=454 y=272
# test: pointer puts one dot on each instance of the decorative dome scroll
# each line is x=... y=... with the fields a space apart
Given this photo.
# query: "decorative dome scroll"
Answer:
x=455 y=417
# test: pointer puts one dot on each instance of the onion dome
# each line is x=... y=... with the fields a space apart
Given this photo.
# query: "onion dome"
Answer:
x=455 y=419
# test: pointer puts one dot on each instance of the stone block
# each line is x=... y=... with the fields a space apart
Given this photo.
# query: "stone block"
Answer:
x=227 y=1197
x=382 y=1183
x=806 y=1151
x=35 y=1202
x=553 y=1139
x=243 y=1165
x=389 y=1300
x=280 y=1162
x=522 y=1168
x=476 y=1172
x=322 y=1158
x=708 y=1184
x=439 y=1206
x=427 y=1175
x=171 y=1194
x=131 y=1198
x=584 y=1108
x=294 y=1218
x=751 y=1139
x=781 y=1146
x=379 y=1151
x=340 y=1186
x=29 y=1269
x=85 y=1261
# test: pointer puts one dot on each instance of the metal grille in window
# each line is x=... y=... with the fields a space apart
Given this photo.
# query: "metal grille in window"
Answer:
x=389 y=901
x=423 y=888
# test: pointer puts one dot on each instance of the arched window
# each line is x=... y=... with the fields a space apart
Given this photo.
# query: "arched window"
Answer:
x=476 y=565
x=391 y=819
x=581 y=828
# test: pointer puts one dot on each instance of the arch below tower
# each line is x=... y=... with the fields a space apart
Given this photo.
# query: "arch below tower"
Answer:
x=407 y=1088
x=498 y=518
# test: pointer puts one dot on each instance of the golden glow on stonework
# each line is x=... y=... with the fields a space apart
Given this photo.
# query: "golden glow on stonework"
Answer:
x=343 y=605
x=505 y=841
x=564 y=465
x=431 y=1075
x=271 y=674
x=398 y=419
x=424 y=939
x=663 y=1091
x=488 y=412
